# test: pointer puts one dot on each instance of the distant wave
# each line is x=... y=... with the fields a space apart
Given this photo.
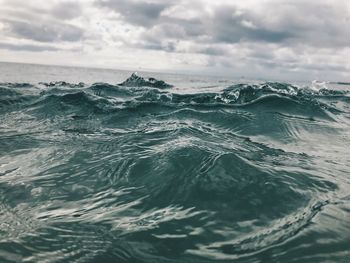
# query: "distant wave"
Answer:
x=137 y=81
x=107 y=96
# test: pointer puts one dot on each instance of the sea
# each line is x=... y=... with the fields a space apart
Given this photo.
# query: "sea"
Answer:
x=102 y=165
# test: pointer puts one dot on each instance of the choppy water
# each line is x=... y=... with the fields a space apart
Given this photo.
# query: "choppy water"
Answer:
x=210 y=170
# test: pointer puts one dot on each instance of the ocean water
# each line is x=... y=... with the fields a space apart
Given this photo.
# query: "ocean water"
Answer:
x=209 y=170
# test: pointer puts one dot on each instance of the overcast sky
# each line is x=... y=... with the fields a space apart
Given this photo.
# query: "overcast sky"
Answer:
x=280 y=39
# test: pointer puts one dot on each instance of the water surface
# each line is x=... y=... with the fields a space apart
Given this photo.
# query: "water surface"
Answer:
x=209 y=170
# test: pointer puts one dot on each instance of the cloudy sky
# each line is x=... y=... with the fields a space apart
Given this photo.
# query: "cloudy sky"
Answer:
x=280 y=39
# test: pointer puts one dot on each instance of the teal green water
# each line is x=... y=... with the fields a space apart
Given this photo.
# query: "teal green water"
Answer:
x=209 y=170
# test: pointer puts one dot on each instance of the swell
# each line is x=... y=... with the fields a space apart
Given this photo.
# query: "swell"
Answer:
x=103 y=96
x=277 y=110
x=10 y=97
x=79 y=103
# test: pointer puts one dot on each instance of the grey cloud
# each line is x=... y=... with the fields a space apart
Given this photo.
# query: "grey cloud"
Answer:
x=320 y=24
x=304 y=29
x=295 y=64
x=44 y=31
x=328 y=67
x=67 y=10
x=230 y=28
x=154 y=43
x=27 y=47
x=262 y=54
x=214 y=51
x=282 y=22
x=220 y=27
x=194 y=27
x=167 y=46
x=167 y=30
x=136 y=12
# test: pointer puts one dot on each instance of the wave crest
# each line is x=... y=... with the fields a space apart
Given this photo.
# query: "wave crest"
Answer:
x=136 y=81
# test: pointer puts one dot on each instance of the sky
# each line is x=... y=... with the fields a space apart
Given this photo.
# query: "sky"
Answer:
x=271 y=39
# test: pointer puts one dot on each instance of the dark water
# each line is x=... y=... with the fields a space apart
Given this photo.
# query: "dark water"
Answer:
x=210 y=170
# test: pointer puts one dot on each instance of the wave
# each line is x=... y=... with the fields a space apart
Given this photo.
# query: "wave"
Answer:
x=16 y=85
x=62 y=84
x=137 y=81
x=141 y=172
x=79 y=103
x=134 y=93
x=11 y=99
